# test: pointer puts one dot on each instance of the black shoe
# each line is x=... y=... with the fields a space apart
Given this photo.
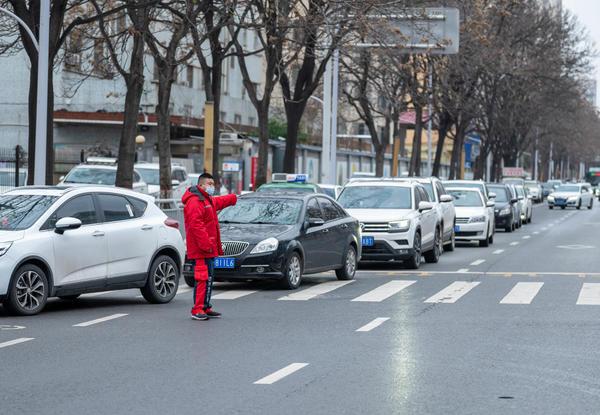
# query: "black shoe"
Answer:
x=200 y=316
x=213 y=314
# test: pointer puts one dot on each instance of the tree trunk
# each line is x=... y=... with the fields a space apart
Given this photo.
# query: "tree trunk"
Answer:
x=379 y=159
x=439 y=151
x=456 y=153
x=263 y=147
x=164 y=131
x=216 y=99
x=415 y=169
x=293 y=111
x=32 y=109
x=133 y=97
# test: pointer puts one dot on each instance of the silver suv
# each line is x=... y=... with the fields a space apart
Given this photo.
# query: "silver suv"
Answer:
x=398 y=220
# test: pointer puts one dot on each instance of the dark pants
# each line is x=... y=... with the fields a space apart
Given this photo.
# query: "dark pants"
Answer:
x=204 y=271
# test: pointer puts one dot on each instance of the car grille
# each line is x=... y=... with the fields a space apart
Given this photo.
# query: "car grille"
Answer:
x=462 y=220
x=459 y=234
x=234 y=248
x=375 y=227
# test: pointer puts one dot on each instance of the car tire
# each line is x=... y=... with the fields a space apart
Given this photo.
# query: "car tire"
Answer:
x=162 y=282
x=28 y=291
x=189 y=280
x=349 y=265
x=433 y=256
x=591 y=205
x=69 y=297
x=550 y=207
x=491 y=239
x=415 y=261
x=485 y=243
x=451 y=246
x=563 y=207
x=292 y=275
x=509 y=228
x=579 y=205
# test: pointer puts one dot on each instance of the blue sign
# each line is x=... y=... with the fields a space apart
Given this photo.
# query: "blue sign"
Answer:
x=227 y=263
x=368 y=241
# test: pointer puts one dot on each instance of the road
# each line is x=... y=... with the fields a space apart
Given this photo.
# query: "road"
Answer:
x=508 y=329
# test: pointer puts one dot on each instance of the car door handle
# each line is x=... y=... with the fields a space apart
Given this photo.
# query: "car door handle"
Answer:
x=147 y=227
x=98 y=234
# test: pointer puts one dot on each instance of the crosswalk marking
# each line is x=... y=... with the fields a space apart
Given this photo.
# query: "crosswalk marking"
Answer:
x=373 y=324
x=589 y=294
x=315 y=291
x=522 y=293
x=280 y=374
x=99 y=320
x=478 y=262
x=384 y=291
x=232 y=294
x=453 y=292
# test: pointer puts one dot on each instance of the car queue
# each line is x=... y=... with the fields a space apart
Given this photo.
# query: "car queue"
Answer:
x=67 y=240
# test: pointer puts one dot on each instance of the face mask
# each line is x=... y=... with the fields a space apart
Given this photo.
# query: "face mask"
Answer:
x=210 y=190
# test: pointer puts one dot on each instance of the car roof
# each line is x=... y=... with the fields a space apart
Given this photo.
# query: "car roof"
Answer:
x=64 y=190
x=328 y=186
x=156 y=166
x=382 y=182
x=96 y=166
x=280 y=195
x=464 y=189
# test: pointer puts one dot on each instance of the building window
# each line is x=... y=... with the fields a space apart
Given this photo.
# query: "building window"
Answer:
x=244 y=93
x=361 y=129
x=237 y=119
x=199 y=83
x=73 y=51
x=223 y=115
x=190 y=76
x=251 y=121
x=121 y=23
x=101 y=65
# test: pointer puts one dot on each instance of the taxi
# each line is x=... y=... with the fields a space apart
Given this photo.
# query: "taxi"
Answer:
x=282 y=182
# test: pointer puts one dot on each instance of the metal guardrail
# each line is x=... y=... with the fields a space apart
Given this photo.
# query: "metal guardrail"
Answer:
x=174 y=209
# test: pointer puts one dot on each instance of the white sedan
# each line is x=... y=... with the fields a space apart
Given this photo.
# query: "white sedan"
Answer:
x=66 y=241
x=571 y=195
x=473 y=220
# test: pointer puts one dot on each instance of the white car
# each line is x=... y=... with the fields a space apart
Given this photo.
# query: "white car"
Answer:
x=150 y=173
x=525 y=203
x=473 y=184
x=100 y=173
x=473 y=219
x=66 y=241
x=442 y=203
x=571 y=195
x=397 y=219
x=331 y=190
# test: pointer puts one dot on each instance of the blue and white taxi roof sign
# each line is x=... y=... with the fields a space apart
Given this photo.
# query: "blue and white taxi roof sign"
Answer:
x=290 y=178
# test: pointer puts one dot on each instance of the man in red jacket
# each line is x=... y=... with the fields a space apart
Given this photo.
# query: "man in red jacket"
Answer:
x=203 y=239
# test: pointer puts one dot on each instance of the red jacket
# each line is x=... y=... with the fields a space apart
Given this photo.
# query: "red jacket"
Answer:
x=203 y=237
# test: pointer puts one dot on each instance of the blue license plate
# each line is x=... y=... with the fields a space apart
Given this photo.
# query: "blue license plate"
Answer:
x=456 y=228
x=228 y=263
x=368 y=241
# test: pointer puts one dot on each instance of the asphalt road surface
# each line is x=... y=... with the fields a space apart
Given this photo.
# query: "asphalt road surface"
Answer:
x=513 y=328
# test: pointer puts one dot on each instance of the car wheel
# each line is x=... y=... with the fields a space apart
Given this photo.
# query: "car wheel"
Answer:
x=491 y=239
x=415 y=261
x=69 y=297
x=485 y=243
x=509 y=228
x=550 y=207
x=292 y=276
x=579 y=205
x=451 y=246
x=433 y=256
x=28 y=291
x=591 y=204
x=163 y=280
x=563 y=207
x=349 y=268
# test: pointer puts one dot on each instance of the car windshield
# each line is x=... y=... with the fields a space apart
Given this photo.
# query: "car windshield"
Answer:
x=90 y=175
x=479 y=186
x=263 y=211
x=376 y=197
x=328 y=191
x=150 y=176
x=466 y=198
x=501 y=194
x=18 y=212
x=568 y=189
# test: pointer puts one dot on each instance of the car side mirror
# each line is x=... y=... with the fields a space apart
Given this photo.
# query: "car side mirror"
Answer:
x=175 y=182
x=490 y=203
x=514 y=200
x=492 y=195
x=315 y=222
x=445 y=198
x=61 y=178
x=423 y=206
x=521 y=198
x=67 y=224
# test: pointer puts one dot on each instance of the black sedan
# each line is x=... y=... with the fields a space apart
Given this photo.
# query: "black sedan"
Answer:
x=506 y=212
x=284 y=236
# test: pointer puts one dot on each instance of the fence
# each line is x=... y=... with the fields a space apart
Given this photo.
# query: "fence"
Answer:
x=173 y=209
x=13 y=168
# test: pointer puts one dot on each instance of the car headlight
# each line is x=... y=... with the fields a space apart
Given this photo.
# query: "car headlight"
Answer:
x=550 y=198
x=400 y=225
x=505 y=211
x=477 y=219
x=4 y=247
x=573 y=199
x=268 y=245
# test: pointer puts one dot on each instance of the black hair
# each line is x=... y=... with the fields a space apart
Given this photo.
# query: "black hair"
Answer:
x=205 y=176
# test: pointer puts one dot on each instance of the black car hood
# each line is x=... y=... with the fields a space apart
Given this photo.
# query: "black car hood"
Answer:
x=501 y=205
x=252 y=233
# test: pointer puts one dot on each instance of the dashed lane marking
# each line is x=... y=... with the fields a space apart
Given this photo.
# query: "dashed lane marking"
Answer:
x=514 y=243
x=280 y=374
x=527 y=237
x=384 y=291
x=233 y=294
x=463 y=271
x=99 y=320
x=498 y=273
x=315 y=291
x=453 y=292
x=498 y=252
x=373 y=324
x=522 y=293
x=477 y=262
x=16 y=341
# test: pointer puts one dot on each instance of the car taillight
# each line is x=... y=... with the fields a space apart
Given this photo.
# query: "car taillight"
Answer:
x=172 y=223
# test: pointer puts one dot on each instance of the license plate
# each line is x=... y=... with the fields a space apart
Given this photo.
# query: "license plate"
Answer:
x=456 y=228
x=225 y=263
x=368 y=241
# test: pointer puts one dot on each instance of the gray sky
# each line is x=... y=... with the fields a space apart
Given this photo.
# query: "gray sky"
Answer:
x=588 y=12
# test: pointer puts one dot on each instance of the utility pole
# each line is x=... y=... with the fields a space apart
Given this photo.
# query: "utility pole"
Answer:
x=430 y=116
x=330 y=110
x=551 y=164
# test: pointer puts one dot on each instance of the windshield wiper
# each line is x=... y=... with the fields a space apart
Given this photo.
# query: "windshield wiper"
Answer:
x=229 y=221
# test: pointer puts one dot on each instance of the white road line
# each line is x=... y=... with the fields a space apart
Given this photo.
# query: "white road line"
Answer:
x=184 y=290
x=373 y=324
x=384 y=291
x=522 y=293
x=16 y=341
x=315 y=291
x=498 y=252
x=90 y=295
x=478 y=262
x=99 y=320
x=280 y=374
x=589 y=294
x=526 y=237
x=514 y=243
x=453 y=292
x=536 y=233
x=233 y=294
x=462 y=270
